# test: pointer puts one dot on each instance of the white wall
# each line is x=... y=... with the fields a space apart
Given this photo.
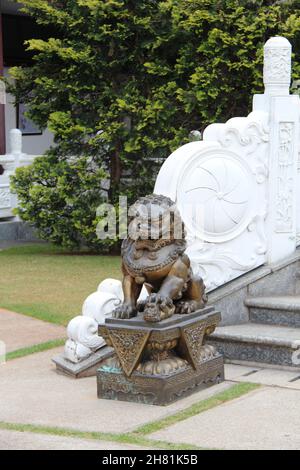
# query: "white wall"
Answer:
x=32 y=145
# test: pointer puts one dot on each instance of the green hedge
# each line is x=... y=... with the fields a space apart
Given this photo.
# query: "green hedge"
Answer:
x=124 y=82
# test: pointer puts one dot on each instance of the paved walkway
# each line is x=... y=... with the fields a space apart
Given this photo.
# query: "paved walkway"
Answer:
x=33 y=394
x=12 y=440
x=19 y=331
x=270 y=376
x=268 y=418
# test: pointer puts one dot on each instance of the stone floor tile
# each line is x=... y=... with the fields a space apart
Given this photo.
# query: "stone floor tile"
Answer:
x=32 y=392
x=272 y=377
x=233 y=371
x=19 y=331
x=15 y=440
x=267 y=418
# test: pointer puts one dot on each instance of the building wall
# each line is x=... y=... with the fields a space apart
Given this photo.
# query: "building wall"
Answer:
x=2 y=123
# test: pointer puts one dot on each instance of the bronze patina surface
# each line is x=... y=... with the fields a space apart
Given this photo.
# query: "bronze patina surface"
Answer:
x=154 y=255
x=160 y=362
x=160 y=350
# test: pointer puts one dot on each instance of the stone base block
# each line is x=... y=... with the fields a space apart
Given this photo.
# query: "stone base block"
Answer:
x=159 y=362
x=275 y=317
x=12 y=230
x=257 y=353
x=157 y=389
x=275 y=310
x=86 y=368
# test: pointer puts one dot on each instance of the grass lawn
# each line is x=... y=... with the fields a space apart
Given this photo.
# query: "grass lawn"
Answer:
x=48 y=283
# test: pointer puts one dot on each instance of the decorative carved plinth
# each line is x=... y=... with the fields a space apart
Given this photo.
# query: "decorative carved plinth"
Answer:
x=158 y=363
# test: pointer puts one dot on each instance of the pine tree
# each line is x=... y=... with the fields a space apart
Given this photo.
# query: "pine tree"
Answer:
x=121 y=84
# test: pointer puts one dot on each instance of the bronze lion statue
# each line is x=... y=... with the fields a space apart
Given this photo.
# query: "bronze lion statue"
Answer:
x=153 y=255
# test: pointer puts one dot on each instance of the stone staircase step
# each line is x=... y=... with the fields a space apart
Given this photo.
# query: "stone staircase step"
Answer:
x=281 y=310
x=254 y=342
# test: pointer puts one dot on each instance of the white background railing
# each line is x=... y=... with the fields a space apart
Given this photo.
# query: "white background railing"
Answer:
x=8 y=165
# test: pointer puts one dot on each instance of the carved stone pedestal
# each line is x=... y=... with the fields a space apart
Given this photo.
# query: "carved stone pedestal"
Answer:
x=158 y=363
x=86 y=368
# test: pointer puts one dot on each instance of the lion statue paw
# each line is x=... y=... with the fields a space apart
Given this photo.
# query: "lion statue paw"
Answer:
x=186 y=306
x=124 y=312
x=158 y=308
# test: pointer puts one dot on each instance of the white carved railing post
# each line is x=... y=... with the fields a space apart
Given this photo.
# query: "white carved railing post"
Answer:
x=9 y=163
x=283 y=110
x=277 y=66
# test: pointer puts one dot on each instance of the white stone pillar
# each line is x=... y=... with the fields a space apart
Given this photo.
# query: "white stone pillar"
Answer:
x=277 y=66
x=15 y=136
x=284 y=112
x=15 y=141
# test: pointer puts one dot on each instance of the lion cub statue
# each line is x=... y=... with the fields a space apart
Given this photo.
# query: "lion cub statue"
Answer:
x=153 y=255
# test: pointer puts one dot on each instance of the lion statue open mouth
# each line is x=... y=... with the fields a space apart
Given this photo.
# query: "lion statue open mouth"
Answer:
x=154 y=255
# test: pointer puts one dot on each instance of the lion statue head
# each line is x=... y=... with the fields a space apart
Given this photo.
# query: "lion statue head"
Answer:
x=152 y=218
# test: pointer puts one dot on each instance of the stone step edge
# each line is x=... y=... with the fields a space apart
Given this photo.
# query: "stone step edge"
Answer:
x=266 y=340
x=273 y=303
x=259 y=365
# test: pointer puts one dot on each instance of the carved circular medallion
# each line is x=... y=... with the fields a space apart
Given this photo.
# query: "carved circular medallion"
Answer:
x=215 y=196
